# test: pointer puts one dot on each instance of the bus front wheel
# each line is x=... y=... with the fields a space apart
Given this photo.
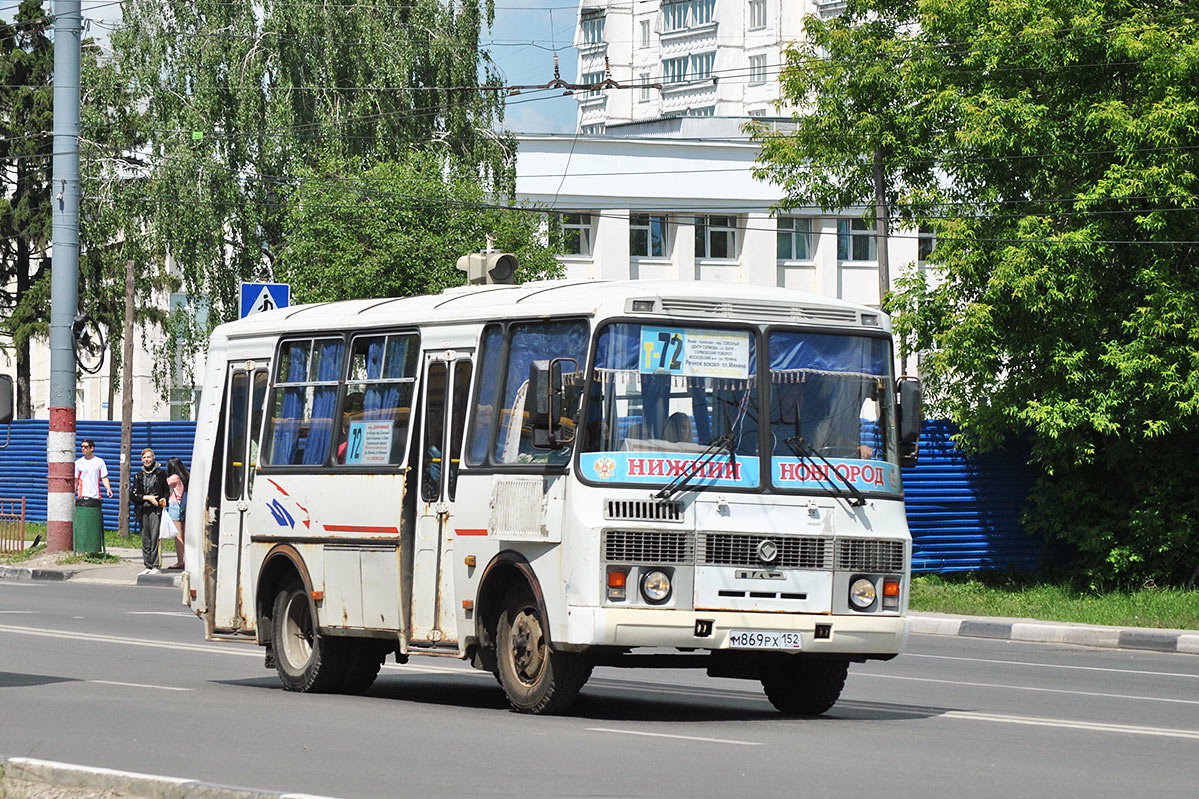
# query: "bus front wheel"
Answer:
x=536 y=679
x=799 y=686
x=305 y=660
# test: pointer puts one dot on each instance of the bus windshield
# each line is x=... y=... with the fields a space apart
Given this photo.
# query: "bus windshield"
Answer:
x=671 y=402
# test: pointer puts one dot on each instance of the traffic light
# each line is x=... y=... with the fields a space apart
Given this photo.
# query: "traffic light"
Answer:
x=484 y=268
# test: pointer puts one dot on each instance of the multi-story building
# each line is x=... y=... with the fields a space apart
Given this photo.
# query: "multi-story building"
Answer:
x=685 y=57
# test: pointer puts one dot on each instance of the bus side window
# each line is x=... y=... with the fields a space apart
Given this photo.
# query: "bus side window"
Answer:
x=300 y=428
x=378 y=401
x=486 y=396
x=528 y=342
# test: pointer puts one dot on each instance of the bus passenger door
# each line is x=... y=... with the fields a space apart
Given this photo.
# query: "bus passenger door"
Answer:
x=446 y=387
x=244 y=400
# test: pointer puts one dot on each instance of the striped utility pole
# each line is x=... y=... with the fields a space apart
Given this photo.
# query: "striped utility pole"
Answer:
x=64 y=277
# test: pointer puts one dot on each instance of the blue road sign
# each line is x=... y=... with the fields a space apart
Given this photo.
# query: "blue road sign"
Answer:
x=262 y=297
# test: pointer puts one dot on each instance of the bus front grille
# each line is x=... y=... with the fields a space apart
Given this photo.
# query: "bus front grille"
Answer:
x=741 y=549
x=642 y=510
x=869 y=555
x=647 y=546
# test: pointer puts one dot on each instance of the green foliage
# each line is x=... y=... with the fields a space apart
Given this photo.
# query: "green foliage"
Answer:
x=396 y=229
x=26 y=119
x=1015 y=596
x=1064 y=303
x=222 y=114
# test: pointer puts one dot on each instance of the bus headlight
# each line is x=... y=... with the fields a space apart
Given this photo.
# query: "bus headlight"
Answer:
x=655 y=586
x=862 y=593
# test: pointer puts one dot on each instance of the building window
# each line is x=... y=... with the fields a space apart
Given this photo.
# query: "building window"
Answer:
x=701 y=66
x=697 y=66
x=715 y=237
x=704 y=111
x=794 y=238
x=593 y=130
x=645 y=33
x=686 y=14
x=576 y=234
x=757 y=14
x=757 y=112
x=927 y=241
x=591 y=29
x=855 y=240
x=647 y=236
x=674 y=70
x=592 y=79
x=757 y=70
x=643 y=92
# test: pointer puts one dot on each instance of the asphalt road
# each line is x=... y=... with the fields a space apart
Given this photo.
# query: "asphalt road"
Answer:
x=119 y=677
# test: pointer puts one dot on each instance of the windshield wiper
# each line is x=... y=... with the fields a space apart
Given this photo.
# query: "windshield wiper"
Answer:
x=680 y=482
x=804 y=450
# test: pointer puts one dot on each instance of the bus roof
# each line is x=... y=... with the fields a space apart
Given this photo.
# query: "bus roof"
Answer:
x=672 y=299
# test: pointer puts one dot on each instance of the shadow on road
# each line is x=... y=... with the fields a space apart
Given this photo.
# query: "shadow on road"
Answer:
x=9 y=679
x=616 y=700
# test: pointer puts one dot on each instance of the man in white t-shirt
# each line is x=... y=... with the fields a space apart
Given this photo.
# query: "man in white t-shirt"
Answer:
x=90 y=472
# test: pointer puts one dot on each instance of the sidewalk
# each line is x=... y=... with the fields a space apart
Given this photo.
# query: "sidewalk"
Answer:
x=128 y=572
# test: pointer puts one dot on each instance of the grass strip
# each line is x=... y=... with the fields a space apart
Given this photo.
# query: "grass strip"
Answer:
x=1032 y=597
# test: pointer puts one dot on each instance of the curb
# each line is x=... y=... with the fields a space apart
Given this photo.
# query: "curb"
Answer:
x=68 y=775
x=160 y=579
x=1172 y=641
x=26 y=573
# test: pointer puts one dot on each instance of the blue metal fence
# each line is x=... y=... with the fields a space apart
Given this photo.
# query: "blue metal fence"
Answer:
x=964 y=513
x=23 y=462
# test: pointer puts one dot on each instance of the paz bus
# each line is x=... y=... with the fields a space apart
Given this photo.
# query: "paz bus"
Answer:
x=548 y=477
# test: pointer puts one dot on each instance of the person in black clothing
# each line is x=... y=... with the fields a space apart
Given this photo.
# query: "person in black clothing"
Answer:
x=149 y=497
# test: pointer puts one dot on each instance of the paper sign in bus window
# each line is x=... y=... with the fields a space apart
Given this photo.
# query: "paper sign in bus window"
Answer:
x=369 y=442
x=694 y=353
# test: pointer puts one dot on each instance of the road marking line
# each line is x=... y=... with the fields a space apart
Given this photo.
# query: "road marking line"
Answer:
x=677 y=737
x=112 y=639
x=1056 y=665
x=138 y=685
x=182 y=613
x=856 y=675
x=1091 y=726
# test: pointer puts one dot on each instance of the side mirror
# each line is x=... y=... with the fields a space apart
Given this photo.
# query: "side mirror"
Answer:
x=6 y=399
x=910 y=411
x=544 y=403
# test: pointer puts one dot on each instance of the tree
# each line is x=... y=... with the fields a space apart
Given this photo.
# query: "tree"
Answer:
x=864 y=131
x=396 y=229
x=1064 y=304
x=26 y=145
x=240 y=99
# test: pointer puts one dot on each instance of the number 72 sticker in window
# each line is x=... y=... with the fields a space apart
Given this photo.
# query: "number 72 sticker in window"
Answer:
x=694 y=353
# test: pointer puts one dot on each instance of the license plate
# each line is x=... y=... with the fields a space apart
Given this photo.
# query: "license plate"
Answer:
x=764 y=639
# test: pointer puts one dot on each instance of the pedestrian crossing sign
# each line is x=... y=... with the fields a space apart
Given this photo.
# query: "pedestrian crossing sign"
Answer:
x=262 y=297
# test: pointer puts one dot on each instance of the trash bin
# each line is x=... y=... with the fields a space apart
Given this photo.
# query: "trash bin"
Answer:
x=89 y=526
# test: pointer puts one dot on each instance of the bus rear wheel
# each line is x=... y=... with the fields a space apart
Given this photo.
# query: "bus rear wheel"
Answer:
x=800 y=686
x=305 y=660
x=536 y=679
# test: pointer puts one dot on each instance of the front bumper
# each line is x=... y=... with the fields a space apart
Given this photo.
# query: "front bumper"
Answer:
x=858 y=634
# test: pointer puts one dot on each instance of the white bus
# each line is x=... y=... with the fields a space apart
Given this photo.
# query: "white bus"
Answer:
x=547 y=477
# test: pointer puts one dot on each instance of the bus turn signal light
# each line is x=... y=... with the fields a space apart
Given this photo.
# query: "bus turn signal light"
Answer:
x=890 y=594
x=617 y=585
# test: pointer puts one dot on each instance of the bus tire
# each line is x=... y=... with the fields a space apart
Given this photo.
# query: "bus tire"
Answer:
x=305 y=660
x=799 y=686
x=536 y=679
x=364 y=657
